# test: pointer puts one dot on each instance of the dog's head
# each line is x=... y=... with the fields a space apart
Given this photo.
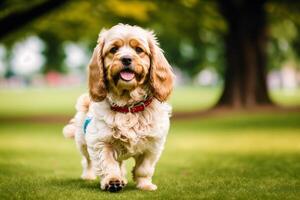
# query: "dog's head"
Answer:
x=126 y=58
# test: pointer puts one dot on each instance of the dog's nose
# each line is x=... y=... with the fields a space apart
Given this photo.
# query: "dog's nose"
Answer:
x=126 y=60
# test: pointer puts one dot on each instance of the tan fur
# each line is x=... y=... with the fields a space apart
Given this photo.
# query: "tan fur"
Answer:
x=161 y=76
x=97 y=88
x=112 y=137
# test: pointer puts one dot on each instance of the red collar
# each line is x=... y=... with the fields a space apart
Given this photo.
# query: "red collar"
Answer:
x=134 y=108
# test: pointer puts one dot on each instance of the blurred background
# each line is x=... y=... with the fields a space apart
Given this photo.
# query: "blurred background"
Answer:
x=223 y=52
x=237 y=66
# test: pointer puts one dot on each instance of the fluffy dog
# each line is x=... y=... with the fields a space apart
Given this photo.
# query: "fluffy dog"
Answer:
x=125 y=114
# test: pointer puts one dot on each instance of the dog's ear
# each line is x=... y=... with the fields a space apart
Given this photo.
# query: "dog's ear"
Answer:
x=161 y=74
x=97 y=87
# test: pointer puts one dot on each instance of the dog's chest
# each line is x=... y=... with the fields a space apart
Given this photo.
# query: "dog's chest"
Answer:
x=130 y=148
x=134 y=135
x=131 y=133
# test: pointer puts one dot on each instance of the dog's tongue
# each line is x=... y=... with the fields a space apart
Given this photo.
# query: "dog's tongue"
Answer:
x=127 y=76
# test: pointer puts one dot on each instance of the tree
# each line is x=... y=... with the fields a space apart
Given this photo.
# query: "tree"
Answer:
x=54 y=53
x=194 y=34
x=188 y=31
x=19 y=18
x=245 y=47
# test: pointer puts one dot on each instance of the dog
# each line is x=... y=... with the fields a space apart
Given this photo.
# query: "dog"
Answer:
x=125 y=113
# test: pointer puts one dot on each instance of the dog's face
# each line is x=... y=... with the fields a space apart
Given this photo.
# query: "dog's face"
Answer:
x=128 y=57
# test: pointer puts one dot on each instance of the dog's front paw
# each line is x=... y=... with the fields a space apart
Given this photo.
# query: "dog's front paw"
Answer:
x=113 y=185
x=145 y=184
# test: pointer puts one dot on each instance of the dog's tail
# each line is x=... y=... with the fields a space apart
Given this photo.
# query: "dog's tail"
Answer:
x=69 y=129
x=82 y=107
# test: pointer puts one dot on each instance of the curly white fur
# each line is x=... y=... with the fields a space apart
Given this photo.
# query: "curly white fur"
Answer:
x=112 y=137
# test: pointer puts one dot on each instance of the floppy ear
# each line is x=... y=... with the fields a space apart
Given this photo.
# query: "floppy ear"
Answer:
x=161 y=74
x=97 y=88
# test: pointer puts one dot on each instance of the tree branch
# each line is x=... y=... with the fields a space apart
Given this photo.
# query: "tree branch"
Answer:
x=19 y=19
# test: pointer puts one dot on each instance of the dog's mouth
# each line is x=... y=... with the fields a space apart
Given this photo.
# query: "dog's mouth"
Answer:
x=127 y=75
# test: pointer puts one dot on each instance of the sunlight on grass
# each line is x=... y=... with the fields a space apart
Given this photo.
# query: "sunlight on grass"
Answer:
x=247 y=142
x=286 y=97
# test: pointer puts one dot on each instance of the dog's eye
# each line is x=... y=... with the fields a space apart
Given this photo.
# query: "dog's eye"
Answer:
x=113 y=50
x=139 y=49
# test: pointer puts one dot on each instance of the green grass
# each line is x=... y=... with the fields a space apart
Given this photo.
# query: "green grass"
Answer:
x=240 y=156
x=53 y=101
x=286 y=97
x=194 y=98
x=39 y=101
x=236 y=156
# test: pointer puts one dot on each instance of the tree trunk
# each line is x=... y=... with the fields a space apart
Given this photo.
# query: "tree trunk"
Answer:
x=245 y=48
x=54 y=53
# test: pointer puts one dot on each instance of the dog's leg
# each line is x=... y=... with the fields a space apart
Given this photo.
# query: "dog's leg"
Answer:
x=123 y=172
x=144 y=169
x=87 y=172
x=111 y=174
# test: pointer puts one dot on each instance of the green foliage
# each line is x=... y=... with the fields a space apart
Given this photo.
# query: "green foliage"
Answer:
x=189 y=37
x=284 y=28
x=190 y=31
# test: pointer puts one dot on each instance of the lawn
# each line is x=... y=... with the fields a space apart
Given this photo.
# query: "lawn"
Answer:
x=236 y=156
x=53 y=101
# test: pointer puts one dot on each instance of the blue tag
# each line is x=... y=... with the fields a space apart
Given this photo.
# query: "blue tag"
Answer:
x=86 y=123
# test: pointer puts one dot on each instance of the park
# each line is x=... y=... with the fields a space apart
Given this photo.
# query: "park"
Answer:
x=236 y=136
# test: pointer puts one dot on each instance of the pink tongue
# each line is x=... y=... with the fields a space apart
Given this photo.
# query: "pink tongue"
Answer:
x=127 y=76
